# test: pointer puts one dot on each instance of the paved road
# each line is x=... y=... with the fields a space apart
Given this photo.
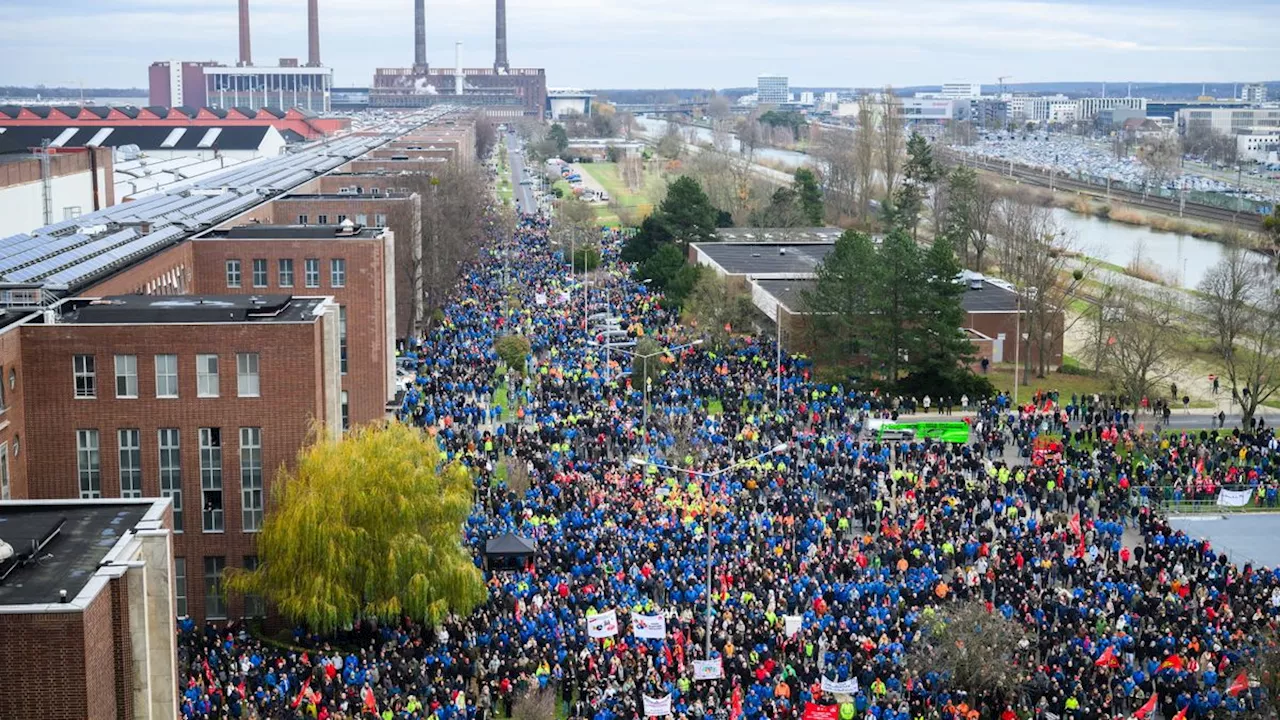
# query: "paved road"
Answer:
x=523 y=193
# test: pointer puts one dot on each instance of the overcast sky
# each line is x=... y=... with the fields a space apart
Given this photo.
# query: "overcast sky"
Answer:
x=669 y=43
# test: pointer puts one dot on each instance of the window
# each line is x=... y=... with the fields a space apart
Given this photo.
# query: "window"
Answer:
x=171 y=471
x=342 y=219
x=233 y=273
x=86 y=379
x=251 y=477
x=346 y=412
x=166 y=376
x=88 y=464
x=260 y=272
x=255 y=606
x=4 y=401
x=380 y=219
x=286 y=272
x=71 y=212
x=302 y=219
x=322 y=219
x=311 y=270
x=4 y=471
x=247 y=374
x=207 y=376
x=180 y=586
x=130 y=442
x=214 y=607
x=342 y=339
x=337 y=273
x=362 y=219
x=126 y=376
x=211 y=478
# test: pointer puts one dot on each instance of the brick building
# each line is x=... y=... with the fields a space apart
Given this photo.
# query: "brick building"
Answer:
x=355 y=265
x=197 y=399
x=86 y=610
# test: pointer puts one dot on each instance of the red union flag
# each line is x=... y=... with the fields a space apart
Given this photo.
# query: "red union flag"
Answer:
x=821 y=712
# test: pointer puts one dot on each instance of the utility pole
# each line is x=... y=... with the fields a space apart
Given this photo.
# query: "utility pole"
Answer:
x=46 y=182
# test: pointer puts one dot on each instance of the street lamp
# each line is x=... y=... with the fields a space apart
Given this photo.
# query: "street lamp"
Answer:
x=645 y=357
x=707 y=477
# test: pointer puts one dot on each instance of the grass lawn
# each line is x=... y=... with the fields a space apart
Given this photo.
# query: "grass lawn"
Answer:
x=1002 y=377
x=651 y=192
x=500 y=399
x=715 y=407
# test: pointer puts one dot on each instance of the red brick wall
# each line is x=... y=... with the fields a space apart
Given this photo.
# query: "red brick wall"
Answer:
x=12 y=420
x=43 y=654
x=290 y=400
x=121 y=648
x=363 y=297
x=165 y=273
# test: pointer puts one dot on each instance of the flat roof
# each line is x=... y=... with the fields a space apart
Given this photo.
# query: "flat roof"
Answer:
x=990 y=298
x=295 y=232
x=777 y=235
x=188 y=309
x=766 y=258
x=343 y=196
x=88 y=533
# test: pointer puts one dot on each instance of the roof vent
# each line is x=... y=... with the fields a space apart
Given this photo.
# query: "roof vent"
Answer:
x=782 y=251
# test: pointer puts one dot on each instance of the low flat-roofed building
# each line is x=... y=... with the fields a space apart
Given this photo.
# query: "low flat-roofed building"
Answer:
x=87 y=610
x=777 y=275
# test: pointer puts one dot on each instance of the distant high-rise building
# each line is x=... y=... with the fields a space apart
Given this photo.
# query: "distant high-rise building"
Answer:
x=1087 y=108
x=772 y=90
x=961 y=91
x=1253 y=93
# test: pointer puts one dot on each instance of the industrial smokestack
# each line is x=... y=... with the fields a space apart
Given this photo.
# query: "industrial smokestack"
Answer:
x=457 y=63
x=500 y=65
x=246 y=54
x=313 y=33
x=419 y=35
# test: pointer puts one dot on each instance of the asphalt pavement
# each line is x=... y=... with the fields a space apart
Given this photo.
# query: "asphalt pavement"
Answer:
x=515 y=157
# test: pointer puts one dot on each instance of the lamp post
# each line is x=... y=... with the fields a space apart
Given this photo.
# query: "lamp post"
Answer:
x=645 y=357
x=707 y=477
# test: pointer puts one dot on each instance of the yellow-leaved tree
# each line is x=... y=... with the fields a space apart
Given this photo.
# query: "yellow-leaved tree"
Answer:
x=368 y=525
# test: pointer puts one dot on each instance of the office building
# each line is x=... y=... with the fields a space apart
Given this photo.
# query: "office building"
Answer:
x=932 y=110
x=1254 y=94
x=1087 y=108
x=1229 y=121
x=772 y=90
x=961 y=91
x=86 y=610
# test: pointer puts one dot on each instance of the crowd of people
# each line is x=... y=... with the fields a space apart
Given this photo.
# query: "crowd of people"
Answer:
x=746 y=504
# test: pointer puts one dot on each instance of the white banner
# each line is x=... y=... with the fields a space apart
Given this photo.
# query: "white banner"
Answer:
x=846 y=687
x=648 y=626
x=603 y=625
x=540 y=298
x=707 y=670
x=791 y=624
x=1234 y=498
x=657 y=707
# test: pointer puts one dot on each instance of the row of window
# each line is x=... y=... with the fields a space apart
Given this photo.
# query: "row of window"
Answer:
x=169 y=447
x=361 y=219
x=208 y=383
x=285 y=275
x=215 y=607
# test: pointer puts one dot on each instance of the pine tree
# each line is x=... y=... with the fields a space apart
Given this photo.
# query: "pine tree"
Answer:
x=841 y=298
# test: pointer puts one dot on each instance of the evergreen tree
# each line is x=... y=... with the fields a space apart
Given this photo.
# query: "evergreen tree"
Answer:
x=806 y=187
x=841 y=299
x=897 y=301
x=687 y=213
x=559 y=138
x=641 y=246
x=943 y=344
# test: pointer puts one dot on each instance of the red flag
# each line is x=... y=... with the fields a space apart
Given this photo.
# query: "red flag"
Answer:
x=1181 y=714
x=920 y=524
x=728 y=327
x=1239 y=685
x=1074 y=524
x=370 y=702
x=1147 y=707
x=821 y=712
x=1173 y=661
x=735 y=703
x=1108 y=656
x=303 y=694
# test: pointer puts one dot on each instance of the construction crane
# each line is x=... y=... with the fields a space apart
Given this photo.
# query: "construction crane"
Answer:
x=1002 y=78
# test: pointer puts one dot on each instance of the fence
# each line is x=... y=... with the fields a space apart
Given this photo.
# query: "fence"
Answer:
x=1183 y=500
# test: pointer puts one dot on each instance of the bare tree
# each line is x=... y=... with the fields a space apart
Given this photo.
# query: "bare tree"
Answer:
x=838 y=171
x=979 y=652
x=486 y=134
x=892 y=139
x=864 y=155
x=1240 y=300
x=1141 y=352
x=1160 y=157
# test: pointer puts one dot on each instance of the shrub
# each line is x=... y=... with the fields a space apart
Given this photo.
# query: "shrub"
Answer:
x=513 y=349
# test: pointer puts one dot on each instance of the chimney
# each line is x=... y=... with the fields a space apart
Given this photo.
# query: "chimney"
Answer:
x=500 y=65
x=246 y=55
x=457 y=75
x=313 y=33
x=419 y=35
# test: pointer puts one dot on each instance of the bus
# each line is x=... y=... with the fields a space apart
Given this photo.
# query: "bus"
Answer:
x=952 y=432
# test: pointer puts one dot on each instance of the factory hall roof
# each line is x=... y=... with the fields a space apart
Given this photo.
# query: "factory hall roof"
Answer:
x=738 y=258
x=72 y=540
x=985 y=297
x=189 y=309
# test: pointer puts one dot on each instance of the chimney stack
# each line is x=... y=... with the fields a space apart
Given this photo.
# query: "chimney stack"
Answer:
x=500 y=65
x=419 y=35
x=458 y=85
x=313 y=33
x=246 y=55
